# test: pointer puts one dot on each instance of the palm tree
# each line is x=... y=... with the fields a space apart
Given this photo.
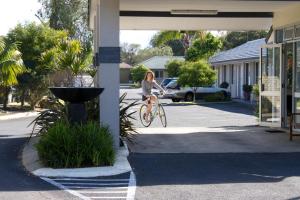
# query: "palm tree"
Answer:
x=185 y=37
x=11 y=65
x=67 y=57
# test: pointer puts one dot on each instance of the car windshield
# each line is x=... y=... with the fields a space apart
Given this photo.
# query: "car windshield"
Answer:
x=166 y=81
x=172 y=84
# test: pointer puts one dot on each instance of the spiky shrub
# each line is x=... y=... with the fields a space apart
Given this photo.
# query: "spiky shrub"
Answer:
x=127 y=128
x=55 y=111
x=80 y=145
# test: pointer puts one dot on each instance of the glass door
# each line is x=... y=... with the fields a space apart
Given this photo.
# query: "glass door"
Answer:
x=270 y=86
x=296 y=96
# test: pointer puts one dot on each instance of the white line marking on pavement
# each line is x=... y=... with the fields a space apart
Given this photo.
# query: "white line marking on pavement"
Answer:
x=87 y=189
x=131 y=187
x=95 y=184
x=90 y=180
x=108 y=197
x=65 y=188
x=103 y=192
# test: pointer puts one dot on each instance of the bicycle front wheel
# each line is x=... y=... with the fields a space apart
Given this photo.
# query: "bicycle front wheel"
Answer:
x=145 y=120
x=162 y=116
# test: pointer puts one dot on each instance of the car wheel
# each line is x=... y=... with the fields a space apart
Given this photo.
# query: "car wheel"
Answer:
x=189 y=97
x=175 y=100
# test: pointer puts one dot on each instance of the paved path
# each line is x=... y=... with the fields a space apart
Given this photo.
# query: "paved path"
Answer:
x=217 y=176
x=16 y=183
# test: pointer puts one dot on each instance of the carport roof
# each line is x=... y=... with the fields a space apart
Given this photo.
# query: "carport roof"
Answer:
x=246 y=51
x=230 y=14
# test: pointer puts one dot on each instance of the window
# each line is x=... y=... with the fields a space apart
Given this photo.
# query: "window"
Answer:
x=279 y=36
x=224 y=73
x=297 y=75
x=156 y=73
x=297 y=31
x=246 y=73
x=288 y=33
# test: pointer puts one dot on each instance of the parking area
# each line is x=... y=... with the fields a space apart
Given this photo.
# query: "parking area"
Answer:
x=229 y=127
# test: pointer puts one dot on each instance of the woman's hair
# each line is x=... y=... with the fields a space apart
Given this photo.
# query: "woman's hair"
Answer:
x=149 y=72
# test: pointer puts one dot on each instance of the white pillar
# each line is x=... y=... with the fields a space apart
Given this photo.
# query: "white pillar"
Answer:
x=109 y=58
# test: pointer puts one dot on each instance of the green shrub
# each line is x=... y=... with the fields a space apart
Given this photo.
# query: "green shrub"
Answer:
x=138 y=73
x=216 y=97
x=247 y=88
x=81 y=145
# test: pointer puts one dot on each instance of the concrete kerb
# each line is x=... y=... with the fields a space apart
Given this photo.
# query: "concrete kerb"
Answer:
x=32 y=164
x=11 y=116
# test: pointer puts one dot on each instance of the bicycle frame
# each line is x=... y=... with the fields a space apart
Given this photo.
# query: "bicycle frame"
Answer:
x=155 y=111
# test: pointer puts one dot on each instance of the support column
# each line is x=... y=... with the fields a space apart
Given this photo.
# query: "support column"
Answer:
x=109 y=58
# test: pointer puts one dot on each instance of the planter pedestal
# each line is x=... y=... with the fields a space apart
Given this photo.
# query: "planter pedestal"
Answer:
x=77 y=113
x=76 y=97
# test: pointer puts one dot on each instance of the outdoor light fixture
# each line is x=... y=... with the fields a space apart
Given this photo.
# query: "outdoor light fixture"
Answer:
x=194 y=12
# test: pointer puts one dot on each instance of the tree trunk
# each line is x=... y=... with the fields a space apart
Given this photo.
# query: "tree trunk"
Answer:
x=6 y=93
x=22 y=97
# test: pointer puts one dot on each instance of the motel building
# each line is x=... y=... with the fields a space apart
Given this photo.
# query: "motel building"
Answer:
x=279 y=63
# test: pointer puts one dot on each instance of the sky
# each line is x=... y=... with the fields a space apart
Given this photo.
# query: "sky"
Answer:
x=13 y=12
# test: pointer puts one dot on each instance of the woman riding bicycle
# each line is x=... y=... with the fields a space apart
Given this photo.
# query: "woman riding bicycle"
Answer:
x=147 y=84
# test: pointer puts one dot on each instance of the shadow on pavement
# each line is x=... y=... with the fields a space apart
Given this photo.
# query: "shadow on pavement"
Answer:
x=12 y=173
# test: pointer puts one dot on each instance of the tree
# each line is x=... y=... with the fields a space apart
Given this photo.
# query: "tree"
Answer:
x=67 y=58
x=11 y=65
x=203 y=48
x=179 y=41
x=68 y=15
x=234 y=39
x=33 y=40
x=145 y=54
x=129 y=53
x=138 y=73
x=196 y=74
x=173 y=67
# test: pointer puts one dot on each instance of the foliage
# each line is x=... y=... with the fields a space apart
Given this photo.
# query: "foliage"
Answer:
x=33 y=40
x=179 y=41
x=145 y=54
x=196 y=74
x=80 y=145
x=138 y=73
x=203 y=48
x=133 y=54
x=67 y=56
x=247 y=88
x=68 y=15
x=177 y=47
x=129 y=53
x=11 y=65
x=173 y=67
x=224 y=85
x=234 y=39
x=255 y=90
x=162 y=37
x=55 y=111
x=217 y=97
x=126 y=116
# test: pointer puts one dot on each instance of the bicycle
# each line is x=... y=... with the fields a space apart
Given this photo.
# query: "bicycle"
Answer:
x=157 y=110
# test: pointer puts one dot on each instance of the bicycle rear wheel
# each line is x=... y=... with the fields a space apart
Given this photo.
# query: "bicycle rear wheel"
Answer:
x=162 y=116
x=145 y=121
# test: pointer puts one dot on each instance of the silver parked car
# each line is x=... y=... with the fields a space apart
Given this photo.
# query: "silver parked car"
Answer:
x=177 y=93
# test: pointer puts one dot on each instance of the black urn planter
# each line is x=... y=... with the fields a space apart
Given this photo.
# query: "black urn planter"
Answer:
x=76 y=97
